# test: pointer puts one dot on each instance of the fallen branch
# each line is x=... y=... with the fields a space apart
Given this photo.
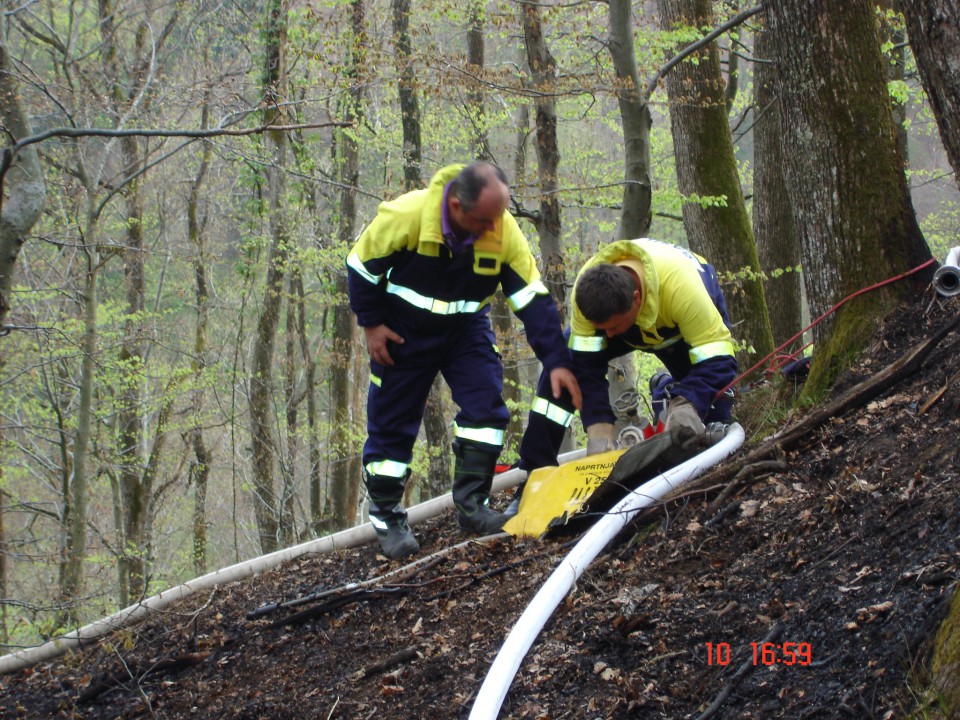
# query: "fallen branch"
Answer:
x=746 y=476
x=398 y=658
x=114 y=680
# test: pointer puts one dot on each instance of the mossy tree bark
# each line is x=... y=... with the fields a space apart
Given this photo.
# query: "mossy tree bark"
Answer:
x=934 y=30
x=778 y=247
x=844 y=172
x=707 y=168
x=945 y=670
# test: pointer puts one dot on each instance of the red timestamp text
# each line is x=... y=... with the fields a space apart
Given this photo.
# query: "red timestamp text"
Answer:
x=764 y=653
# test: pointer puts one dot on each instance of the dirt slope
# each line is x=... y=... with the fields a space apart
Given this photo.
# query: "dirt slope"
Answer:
x=847 y=546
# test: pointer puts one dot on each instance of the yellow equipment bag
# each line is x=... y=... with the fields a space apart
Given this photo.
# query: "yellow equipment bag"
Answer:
x=553 y=494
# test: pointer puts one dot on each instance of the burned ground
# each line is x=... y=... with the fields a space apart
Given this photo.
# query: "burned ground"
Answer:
x=846 y=544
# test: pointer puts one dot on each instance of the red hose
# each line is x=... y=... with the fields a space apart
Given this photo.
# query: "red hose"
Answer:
x=819 y=319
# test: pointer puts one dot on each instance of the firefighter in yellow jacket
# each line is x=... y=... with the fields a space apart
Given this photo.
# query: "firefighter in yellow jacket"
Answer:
x=650 y=296
x=421 y=277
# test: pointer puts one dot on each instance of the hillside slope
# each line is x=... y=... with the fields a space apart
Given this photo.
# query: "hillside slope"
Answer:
x=847 y=545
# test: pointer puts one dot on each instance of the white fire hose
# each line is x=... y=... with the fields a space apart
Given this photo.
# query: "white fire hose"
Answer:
x=494 y=689
x=352 y=537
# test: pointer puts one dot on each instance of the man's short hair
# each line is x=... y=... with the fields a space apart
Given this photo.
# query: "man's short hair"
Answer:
x=603 y=291
x=472 y=179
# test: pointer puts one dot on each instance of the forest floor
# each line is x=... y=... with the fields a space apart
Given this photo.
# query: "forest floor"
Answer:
x=844 y=543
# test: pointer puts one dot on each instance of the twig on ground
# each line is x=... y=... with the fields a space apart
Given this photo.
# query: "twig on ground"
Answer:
x=398 y=658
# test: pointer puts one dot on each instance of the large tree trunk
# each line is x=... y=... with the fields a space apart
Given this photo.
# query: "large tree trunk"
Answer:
x=707 y=168
x=945 y=664
x=934 y=30
x=847 y=185
x=262 y=419
x=346 y=473
x=636 y=213
x=778 y=248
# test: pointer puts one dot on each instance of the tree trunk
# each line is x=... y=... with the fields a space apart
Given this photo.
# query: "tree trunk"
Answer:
x=894 y=34
x=200 y=468
x=262 y=418
x=543 y=70
x=636 y=213
x=778 y=247
x=292 y=396
x=74 y=516
x=934 y=30
x=707 y=168
x=346 y=469
x=945 y=666
x=22 y=197
x=434 y=417
x=848 y=189
x=475 y=93
x=407 y=94
x=133 y=496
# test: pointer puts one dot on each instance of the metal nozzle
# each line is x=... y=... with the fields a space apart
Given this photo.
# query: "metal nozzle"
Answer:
x=631 y=435
x=946 y=280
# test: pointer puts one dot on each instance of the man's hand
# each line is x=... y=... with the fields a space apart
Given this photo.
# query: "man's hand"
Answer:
x=683 y=423
x=563 y=379
x=378 y=337
x=601 y=437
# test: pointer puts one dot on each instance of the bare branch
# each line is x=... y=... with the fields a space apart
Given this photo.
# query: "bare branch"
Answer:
x=705 y=40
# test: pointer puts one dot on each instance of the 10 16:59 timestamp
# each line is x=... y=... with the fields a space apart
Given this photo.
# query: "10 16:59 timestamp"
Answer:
x=764 y=653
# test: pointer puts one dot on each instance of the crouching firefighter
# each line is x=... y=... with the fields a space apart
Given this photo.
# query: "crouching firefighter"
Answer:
x=650 y=296
x=421 y=277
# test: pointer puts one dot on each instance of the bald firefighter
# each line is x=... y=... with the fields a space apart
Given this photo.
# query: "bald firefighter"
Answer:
x=421 y=277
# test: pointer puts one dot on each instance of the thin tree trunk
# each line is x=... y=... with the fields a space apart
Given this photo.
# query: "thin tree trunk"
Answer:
x=636 y=213
x=262 y=417
x=74 y=517
x=200 y=469
x=407 y=93
x=934 y=30
x=346 y=470
x=291 y=394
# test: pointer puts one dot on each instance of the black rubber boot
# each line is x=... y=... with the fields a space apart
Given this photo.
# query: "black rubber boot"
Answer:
x=472 y=478
x=388 y=517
